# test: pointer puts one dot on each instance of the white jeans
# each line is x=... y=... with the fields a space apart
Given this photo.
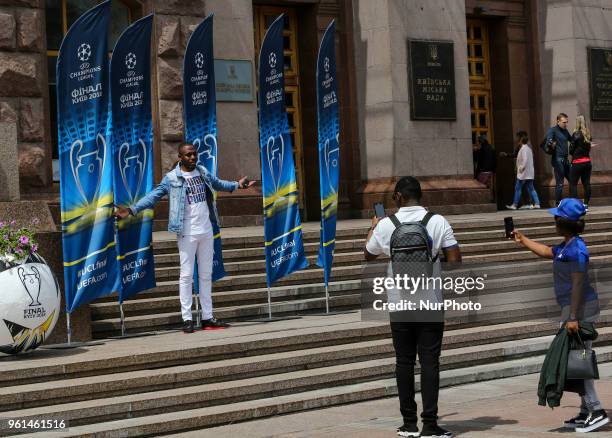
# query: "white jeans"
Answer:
x=201 y=246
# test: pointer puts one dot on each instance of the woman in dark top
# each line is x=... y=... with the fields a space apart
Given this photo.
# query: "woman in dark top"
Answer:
x=580 y=149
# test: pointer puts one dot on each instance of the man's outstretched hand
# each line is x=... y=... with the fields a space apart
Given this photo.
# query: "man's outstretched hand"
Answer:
x=244 y=183
x=121 y=212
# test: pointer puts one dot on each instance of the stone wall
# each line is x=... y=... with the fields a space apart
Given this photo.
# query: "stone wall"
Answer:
x=565 y=30
x=392 y=145
x=23 y=86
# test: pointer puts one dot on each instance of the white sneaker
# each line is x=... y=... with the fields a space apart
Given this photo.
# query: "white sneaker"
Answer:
x=511 y=207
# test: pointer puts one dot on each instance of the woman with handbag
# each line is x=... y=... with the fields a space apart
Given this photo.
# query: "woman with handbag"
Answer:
x=574 y=293
x=580 y=149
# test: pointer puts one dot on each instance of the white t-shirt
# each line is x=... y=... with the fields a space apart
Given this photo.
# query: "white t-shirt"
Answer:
x=196 y=219
x=440 y=233
x=438 y=228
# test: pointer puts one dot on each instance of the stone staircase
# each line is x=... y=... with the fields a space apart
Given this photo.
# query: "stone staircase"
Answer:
x=171 y=382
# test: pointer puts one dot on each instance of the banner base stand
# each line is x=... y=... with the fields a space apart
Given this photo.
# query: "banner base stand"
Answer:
x=68 y=346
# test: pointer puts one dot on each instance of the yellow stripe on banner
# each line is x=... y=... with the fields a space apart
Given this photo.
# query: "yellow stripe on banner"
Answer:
x=217 y=236
x=121 y=257
x=286 y=234
x=281 y=193
x=101 y=202
x=110 y=245
x=329 y=243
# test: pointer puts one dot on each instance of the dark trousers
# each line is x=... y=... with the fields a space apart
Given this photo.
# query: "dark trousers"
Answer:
x=424 y=338
x=582 y=172
x=561 y=168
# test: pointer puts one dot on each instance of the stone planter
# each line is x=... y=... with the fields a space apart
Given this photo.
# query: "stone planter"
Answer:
x=29 y=304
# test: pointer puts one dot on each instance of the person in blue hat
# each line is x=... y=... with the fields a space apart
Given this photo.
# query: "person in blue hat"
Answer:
x=574 y=293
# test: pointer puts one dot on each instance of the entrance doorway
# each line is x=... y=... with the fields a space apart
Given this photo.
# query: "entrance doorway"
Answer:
x=263 y=18
x=479 y=68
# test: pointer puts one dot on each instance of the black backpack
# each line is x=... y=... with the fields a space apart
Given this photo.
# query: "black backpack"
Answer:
x=548 y=146
x=411 y=248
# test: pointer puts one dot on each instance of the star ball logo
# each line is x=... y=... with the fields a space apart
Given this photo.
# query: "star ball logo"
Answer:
x=199 y=60
x=130 y=61
x=84 y=52
x=272 y=60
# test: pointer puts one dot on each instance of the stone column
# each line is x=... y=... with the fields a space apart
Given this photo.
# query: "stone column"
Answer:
x=23 y=93
x=439 y=153
x=236 y=122
x=9 y=169
x=565 y=30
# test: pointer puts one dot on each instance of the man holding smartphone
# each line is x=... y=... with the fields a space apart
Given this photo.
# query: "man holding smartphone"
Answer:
x=410 y=337
x=192 y=211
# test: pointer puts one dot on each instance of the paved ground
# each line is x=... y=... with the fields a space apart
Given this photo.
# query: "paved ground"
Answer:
x=504 y=408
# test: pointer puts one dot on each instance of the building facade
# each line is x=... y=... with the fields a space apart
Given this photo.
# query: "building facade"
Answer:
x=515 y=65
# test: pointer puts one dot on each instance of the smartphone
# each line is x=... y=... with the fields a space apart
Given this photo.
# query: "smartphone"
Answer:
x=246 y=183
x=509 y=226
x=379 y=210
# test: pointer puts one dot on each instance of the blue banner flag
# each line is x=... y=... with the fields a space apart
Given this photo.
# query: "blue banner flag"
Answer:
x=329 y=146
x=284 y=247
x=200 y=114
x=131 y=140
x=86 y=183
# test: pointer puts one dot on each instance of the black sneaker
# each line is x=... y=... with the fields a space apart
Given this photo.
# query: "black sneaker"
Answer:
x=434 y=431
x=578 y=420
x=188 y=326
x=594 y=421
x=214 y=324
x=408 y=430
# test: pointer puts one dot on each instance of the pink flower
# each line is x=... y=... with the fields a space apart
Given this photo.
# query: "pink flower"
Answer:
x=34 y=248
x=13 y=222
x=19 y=251
x=24 y=240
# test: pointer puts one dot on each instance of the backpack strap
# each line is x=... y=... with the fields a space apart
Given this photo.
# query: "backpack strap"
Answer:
x=426 y=219
x=424 y=222
x=395 y=221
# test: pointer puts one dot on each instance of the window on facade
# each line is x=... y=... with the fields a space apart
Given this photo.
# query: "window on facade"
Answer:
x=60 y=15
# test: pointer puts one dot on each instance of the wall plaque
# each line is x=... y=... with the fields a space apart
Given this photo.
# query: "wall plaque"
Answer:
x=431 y=80
x=600 y=83
x=234 y=80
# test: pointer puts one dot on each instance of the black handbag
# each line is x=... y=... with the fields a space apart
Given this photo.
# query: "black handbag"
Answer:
x=582 y=363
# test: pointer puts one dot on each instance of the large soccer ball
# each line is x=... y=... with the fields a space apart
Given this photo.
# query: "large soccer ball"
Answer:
x=29 y=305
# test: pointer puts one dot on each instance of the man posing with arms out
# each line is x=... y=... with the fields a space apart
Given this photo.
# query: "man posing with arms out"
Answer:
x=560 y=137
x=411 y=336
x=192 y=212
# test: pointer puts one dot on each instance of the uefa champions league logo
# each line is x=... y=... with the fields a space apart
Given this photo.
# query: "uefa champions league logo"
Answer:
x=199 y=60
x=88 y=166
x=272 y=60
x=31 y=283
x=84 y=52
x=275 y=153
x=326 y=64
x=132 y=165
x=207 y=152
x=130 y=61
x=331 y=159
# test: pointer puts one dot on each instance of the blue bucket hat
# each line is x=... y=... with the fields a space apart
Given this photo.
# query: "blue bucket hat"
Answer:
x=569 y=208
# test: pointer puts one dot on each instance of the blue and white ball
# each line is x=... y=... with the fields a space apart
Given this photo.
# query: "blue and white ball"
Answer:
x=29 y=305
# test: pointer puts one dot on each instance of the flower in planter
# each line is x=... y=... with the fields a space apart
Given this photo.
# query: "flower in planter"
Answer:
x=16 y=243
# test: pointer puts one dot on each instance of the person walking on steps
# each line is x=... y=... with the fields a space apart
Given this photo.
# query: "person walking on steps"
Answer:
x=192 y=211
x=577 y=298
x=525 y=173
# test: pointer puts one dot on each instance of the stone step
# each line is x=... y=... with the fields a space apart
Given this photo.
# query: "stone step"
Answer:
x=252 y=237
x=503 y=306
x=166 y=252
x=167 y=277
x=524 y=277
x=276 y=398
x=148 y=380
